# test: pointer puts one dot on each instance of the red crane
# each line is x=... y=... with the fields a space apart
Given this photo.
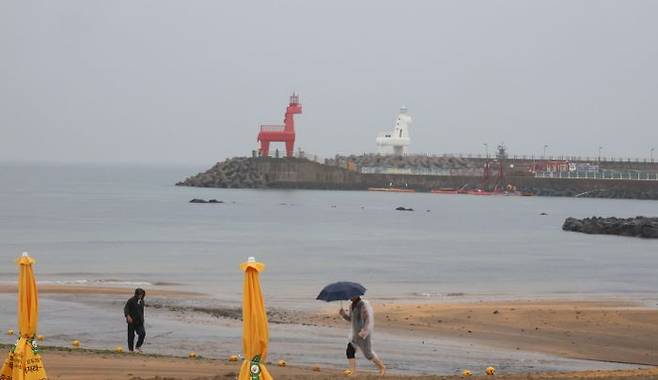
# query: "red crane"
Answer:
x=281 y=133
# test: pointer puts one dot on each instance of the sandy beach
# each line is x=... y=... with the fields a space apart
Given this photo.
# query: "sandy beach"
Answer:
x=98 y=365
x=611 y=331
x=595 y=330
x=601 y=330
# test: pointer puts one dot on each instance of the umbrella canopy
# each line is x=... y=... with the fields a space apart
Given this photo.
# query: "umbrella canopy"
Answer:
x=255 y=332
x=24 y=361
x=341 y=291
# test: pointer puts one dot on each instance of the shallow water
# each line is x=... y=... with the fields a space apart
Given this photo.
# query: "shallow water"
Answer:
x=98 y=323
x=125 y=226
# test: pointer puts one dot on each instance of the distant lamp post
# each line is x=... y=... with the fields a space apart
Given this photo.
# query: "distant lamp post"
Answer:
x=486 y=150
x=600 y=149
x=651 y=154
x=545 y=146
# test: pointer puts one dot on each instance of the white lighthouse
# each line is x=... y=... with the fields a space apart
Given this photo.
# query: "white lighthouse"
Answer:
x=396 y=142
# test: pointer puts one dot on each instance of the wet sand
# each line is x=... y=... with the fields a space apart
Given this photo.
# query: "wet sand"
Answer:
x=604 y=331
x=85 y=365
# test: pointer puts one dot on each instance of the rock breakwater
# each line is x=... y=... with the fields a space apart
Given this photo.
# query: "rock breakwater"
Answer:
x=410 y=162
x=238 y=172
x=299 y=173
x=639 y=226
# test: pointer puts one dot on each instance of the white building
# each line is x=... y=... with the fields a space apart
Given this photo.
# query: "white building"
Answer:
x=396 y=142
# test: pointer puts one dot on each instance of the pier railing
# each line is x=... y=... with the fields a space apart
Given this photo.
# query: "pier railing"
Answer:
x=610 y=175
x=532 y=157
x=299 y=153
x=512 y=157
x=463 y=172
x=646 y=170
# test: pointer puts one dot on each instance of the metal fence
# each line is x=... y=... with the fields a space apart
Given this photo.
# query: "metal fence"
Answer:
x=523 y=157
x=408 y=171
x=614 y=175
x=532 y=157
x=299 y=153
x=466 y=172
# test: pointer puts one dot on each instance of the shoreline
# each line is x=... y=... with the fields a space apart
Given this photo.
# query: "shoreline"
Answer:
x=601 y=332
x=79 y=364
x=98 y=290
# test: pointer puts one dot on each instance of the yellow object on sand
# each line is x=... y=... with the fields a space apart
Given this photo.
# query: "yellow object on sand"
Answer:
x=192 y=355
x=75 y=343
x=10 y=332
x=118 y=349
x=255 y=333
x=491 y=371
x=282 y=363
x=233 y=358
x=467 y=373
x=347 y=372
x=24 y=361
x=316 y=368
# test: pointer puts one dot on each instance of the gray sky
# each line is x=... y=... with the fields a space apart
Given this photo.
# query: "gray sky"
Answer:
x=190 y=81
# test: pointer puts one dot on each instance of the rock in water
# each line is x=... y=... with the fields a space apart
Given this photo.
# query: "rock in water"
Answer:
x=638 y=226
x=403 y=209
x=198 y=200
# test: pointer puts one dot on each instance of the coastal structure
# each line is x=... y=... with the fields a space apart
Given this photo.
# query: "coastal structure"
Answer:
x=281 y=133
x=439 y=173
x=397 y=141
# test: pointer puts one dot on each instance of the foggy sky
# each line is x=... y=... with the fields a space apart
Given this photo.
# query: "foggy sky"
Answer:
x=191 y=81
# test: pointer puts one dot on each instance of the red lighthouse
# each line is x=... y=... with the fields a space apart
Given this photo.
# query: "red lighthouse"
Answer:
x=281 y=133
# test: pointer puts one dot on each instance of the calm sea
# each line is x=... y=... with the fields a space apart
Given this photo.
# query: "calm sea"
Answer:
x=104 y=224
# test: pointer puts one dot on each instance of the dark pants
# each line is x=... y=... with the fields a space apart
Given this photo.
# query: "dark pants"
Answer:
x=351 y=351
x=141 y=333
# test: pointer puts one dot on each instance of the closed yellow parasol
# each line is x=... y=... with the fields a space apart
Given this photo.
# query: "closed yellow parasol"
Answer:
x=255 y=333
x=24 y=361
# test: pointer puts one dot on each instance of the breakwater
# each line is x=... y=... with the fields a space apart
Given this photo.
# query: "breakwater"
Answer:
x=639 y=226
x=297 y=173
x=521 y=164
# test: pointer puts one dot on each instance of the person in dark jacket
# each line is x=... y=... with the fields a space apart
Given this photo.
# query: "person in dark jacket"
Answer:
x=134 y=313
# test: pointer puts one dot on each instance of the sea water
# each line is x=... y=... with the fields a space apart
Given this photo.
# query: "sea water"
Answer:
x=125 y=225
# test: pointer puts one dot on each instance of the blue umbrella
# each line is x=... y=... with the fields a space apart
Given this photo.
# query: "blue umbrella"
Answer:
x=341 y=291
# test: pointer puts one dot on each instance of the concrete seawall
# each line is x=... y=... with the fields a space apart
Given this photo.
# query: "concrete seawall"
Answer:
x=305 y=174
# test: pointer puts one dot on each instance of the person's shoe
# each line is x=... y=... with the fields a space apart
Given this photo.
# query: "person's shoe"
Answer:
x=139 y=349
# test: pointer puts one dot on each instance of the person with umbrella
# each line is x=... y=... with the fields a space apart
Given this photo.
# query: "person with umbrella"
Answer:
x=362 y=318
